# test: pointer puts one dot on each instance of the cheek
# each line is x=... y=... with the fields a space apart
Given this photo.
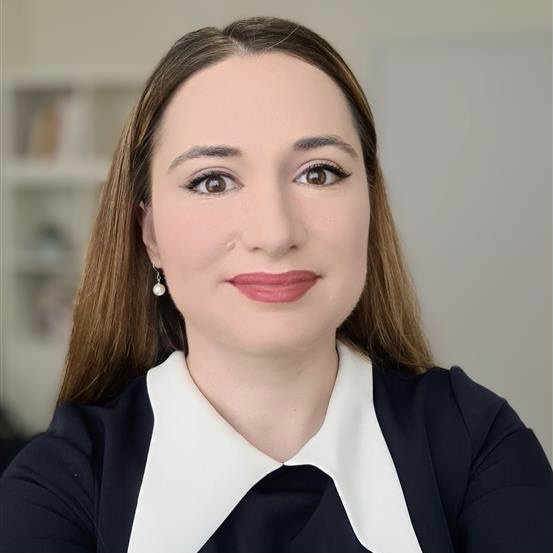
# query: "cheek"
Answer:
x=347 y=235
x=172 y=232
x=190 y=245
x=357 y=242
x=349 y=257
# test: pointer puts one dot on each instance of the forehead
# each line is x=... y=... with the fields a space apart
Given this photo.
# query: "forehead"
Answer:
x=242 y=98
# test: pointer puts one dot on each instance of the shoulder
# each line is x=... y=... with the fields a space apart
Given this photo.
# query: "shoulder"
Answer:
x=451 y=416
x=54 y=484
x=449 y=393
x=85 y=427
x=468 y=432
x=495 y=480
x=77 y=432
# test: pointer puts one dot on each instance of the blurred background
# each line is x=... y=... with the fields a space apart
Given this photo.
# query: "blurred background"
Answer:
x=461 y=95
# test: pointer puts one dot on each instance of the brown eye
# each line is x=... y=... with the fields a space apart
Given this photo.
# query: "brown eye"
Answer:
x=316 y=176
x=215 y=184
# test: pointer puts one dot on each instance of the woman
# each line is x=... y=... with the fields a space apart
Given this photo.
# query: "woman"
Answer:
x=247 y=370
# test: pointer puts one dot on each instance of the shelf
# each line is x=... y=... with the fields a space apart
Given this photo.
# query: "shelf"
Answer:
x=61 y=128
x=35 y=263
x=29 y=173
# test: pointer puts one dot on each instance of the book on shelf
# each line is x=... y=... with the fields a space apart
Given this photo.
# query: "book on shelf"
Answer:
x=57 y=128
x=44 y=131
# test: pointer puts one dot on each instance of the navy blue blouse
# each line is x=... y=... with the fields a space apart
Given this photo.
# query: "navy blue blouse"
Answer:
x=432 y=463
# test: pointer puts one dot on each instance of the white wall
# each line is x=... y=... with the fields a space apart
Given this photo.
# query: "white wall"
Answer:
x=480 y=247
x=465 y=135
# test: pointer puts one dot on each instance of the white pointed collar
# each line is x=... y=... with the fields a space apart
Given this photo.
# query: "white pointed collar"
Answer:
x=199 y=467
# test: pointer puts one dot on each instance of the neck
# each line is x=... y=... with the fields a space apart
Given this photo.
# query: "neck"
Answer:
x=276 y=400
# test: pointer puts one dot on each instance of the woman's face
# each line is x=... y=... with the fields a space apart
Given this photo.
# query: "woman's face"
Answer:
x=279 y=214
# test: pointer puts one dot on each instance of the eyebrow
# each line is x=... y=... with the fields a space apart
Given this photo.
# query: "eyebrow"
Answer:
x=303 y=144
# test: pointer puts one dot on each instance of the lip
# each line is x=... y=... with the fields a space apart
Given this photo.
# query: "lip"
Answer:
x=274 y=287
x=275 y=293
x=274 y=279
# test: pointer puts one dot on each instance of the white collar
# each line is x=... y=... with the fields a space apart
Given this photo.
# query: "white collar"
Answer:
x=199 y=467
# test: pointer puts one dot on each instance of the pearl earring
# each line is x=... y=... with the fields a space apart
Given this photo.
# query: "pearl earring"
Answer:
x=158 y=288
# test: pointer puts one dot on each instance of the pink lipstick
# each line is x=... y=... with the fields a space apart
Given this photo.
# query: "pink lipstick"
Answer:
x=274 y=288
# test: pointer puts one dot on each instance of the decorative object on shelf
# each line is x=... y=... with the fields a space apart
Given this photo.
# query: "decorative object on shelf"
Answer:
x=51 y=309
x=50 y=243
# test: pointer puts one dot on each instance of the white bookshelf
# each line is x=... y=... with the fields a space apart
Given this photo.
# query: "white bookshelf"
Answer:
x=59 y=131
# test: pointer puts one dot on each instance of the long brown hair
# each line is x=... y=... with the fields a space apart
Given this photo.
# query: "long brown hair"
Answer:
x=120 y=329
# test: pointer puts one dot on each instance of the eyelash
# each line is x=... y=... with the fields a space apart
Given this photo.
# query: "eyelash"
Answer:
x=337 y=171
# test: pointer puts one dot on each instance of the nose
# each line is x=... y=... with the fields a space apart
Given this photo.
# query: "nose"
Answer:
x=272 y=219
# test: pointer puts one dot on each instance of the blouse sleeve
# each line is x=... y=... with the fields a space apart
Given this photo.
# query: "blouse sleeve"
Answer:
x=47 y=492
x=508 y=505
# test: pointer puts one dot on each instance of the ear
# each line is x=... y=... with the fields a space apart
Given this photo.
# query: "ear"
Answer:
x=145 y=219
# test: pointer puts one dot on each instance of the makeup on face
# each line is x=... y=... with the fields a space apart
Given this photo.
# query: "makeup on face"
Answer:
x=260 y=202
